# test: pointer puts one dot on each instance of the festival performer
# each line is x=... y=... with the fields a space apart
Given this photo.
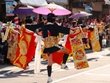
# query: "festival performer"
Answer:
x=50 y=34
x=94 y=38
x=100 y=27
x=63 y=41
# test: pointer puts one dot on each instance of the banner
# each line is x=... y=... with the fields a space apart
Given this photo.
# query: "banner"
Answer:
x=78 y=52
x=9 y=7
x=25 y=49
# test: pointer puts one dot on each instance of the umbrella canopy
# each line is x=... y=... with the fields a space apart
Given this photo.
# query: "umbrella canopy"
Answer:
x=23 y=10
x=79 y=15
x=107 y=2
x=52 y=8
x=86 y=13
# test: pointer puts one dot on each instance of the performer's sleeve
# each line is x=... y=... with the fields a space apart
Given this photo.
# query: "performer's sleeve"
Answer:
x=45 y=32
x=64 y=30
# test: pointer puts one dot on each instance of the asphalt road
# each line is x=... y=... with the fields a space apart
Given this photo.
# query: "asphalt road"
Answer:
x=97 y=72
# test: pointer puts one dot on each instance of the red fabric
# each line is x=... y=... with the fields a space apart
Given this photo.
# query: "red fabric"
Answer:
x=89 y=34
x=68 y=45
x=31 y=49
x=58 y=56
x=26 y=49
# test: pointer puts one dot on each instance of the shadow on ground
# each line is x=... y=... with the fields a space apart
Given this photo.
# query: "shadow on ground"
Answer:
x=88 y=51
x=4 y=65
x=12 y=74
x=93 y=59
x=108 y=55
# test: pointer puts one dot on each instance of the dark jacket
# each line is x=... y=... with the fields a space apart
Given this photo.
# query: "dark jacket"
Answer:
x=50 y=35
x=54 y=30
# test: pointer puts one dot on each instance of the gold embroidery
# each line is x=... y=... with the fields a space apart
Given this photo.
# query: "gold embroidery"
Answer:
x=28 y=38
x=22 y=60
x=50 y=41
x=23 y=48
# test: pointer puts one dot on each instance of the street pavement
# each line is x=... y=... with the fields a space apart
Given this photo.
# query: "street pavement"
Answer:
x=97 y=72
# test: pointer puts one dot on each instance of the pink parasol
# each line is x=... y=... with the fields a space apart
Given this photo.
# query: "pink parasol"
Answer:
x=52 y=8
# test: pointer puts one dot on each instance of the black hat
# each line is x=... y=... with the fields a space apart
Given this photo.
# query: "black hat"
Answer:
x=51 y=17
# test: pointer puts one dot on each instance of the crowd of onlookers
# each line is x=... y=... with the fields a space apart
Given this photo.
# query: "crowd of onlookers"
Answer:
x=87 y=24
x=102 y=24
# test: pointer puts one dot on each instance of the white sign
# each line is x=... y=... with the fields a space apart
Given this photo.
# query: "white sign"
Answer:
x=9 y=7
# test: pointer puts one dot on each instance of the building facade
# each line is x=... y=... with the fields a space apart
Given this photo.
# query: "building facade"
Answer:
x=92 y=6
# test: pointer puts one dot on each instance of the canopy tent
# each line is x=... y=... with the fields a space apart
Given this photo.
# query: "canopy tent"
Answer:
x=107 y=2
x=34 y=2
x=24 y=10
